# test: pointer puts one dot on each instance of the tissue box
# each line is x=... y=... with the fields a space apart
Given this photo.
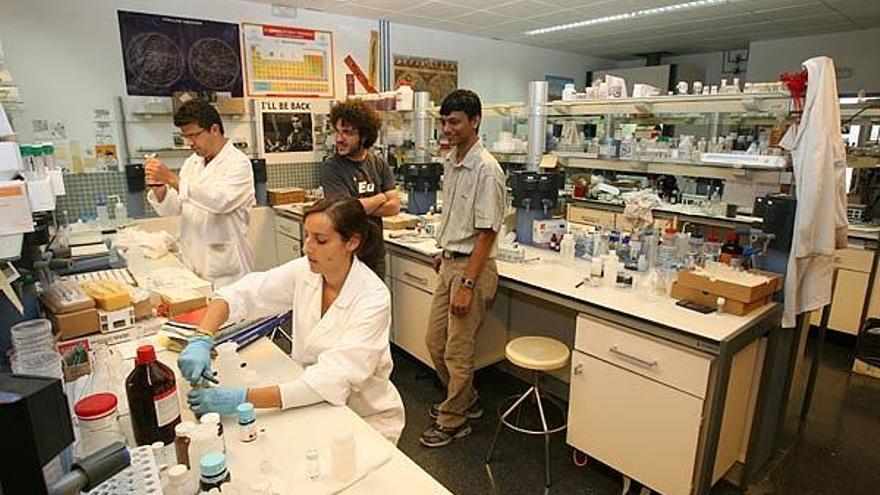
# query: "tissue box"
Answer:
x=543 y=230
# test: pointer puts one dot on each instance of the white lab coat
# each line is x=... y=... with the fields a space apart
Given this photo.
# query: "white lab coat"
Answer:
x=214 y=202
x=346 y=353
x=819 y=158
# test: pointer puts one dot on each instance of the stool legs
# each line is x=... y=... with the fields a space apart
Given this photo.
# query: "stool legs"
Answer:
x=546 y=431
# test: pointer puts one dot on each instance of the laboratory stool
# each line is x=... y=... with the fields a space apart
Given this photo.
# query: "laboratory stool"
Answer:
x=535 y=354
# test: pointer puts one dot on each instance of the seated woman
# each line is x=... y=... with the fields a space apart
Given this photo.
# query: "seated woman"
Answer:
x=341 y=320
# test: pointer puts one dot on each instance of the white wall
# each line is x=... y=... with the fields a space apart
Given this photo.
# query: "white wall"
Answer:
x=711 y=63
x=66 y=57
x=856 y=51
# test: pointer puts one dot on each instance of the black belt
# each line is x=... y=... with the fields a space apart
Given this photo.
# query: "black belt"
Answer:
x=450 y=255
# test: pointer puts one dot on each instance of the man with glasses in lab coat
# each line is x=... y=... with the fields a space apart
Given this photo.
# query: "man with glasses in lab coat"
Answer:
x=213 y=194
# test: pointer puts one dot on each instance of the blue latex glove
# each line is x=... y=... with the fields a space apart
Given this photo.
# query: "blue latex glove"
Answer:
x=219 y=400
x=196 y=358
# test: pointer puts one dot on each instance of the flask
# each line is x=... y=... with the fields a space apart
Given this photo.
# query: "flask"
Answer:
x=152 y=399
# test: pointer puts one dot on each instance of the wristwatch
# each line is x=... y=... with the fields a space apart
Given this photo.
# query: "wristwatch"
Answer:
x=468 y=282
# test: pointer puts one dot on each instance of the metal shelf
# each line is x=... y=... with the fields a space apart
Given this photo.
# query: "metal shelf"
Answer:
x=689 y=169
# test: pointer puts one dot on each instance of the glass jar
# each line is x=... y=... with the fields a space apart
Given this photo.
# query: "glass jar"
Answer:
x=98 y=424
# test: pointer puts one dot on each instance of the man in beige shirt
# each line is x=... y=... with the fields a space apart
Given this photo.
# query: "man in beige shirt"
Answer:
x=473 y=209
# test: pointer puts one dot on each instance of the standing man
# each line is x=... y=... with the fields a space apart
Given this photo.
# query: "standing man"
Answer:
x=354 y=171
x=212 y=194
x=473 y=209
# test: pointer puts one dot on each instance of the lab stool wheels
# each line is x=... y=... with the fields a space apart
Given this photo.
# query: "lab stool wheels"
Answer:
x=535 y=354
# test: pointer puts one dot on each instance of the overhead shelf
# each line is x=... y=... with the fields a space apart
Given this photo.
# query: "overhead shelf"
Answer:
x=686 y=169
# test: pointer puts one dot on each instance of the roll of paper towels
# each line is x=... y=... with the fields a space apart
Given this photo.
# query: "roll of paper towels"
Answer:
x=10 y=160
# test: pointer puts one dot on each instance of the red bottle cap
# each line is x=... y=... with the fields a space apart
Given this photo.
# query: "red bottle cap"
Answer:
x=95 y=406
x=671 y=230
x=145 y=354
x=732 y=237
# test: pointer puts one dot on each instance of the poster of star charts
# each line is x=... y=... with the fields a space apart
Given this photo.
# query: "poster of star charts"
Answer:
x=163 y=54
x=288 y=61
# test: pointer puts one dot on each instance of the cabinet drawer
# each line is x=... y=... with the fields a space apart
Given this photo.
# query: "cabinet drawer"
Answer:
x=662 y=361
x=642 y=428
x=288 y=226
x=590 y=216
x=414 y=273
x=854 y=259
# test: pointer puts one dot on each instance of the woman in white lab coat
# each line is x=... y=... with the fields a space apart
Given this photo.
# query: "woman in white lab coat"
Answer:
x=341 y=320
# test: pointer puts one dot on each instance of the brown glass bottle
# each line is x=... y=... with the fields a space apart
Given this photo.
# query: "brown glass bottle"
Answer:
x=152 y=399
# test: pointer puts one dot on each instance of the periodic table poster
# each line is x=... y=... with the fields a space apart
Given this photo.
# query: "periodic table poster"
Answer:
x=286 y=62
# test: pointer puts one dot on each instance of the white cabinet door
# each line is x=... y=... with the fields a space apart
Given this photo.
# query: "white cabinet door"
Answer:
x=288 y=248
x=409 y=310
x=644 y=429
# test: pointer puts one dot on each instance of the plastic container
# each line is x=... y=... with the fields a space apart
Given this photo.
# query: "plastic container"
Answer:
x=152 y=399
x=213 y=471
x=403 y=99
x=343 y=458
x=181 y=481
x=101 y=212
x=98 y=424
x=212 y=420
x=247 y=422
x=566 y=249
x=313 y=466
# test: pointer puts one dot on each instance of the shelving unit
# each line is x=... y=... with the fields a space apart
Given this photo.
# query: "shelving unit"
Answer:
x=686 y=169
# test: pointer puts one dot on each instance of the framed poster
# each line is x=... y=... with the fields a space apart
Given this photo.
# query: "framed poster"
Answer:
x=163 y=54
x=288 y=62
x=288 y=129
x=436 y=76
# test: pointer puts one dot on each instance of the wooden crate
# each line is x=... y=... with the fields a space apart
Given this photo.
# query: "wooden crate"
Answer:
x=729 y=290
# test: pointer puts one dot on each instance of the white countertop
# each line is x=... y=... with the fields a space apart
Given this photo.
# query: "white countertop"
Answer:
x=549 y=274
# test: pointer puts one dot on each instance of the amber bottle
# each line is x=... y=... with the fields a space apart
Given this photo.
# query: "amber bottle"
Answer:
x=152 y=399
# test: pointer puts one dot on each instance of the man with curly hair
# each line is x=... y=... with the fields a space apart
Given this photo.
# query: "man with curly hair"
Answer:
x=354 y=171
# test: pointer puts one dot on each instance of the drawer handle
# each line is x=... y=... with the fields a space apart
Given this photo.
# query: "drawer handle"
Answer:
x=578 y=369
x=647 y=363
x=421 y=280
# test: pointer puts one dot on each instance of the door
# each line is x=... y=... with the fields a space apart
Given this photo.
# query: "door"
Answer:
x=644 y=429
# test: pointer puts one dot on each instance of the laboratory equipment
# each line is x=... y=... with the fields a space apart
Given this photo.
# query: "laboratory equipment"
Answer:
x=120 y=214
x=34 y=349
x=213 y=471
x=422 y=175
x=35 y=418
x=181 y=481
x=313 y=466
x=101 y=212
x=152 y=399
x=212 y=422
x=247 y=422
x=182 y=434
x=343 y=458
x=535 y=195
x=98 y=424
x=566 y=249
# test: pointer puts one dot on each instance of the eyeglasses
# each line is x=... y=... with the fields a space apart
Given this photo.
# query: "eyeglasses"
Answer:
x=193 y=135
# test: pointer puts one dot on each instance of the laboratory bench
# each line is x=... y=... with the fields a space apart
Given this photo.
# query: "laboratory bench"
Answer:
x=382 y=468
x=671 y=398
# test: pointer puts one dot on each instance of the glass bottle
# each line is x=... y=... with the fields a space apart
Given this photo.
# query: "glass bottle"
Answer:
x=152 y=399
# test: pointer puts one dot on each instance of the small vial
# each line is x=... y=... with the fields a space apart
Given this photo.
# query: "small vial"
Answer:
x=158 y=449
x=214 y=471
x=313 y=469
x=181 y=442
x=719 y=303
x=247 y=422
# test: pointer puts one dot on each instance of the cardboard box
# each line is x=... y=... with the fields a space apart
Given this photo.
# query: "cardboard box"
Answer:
x=729 y=290
x=176 y=302
x=283 y=196
x=543 y=230
x=76 y=323
x=75 y=356
x=731 y=306
x=400 y=221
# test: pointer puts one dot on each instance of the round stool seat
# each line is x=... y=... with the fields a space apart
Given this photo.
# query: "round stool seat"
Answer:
x=537 y=353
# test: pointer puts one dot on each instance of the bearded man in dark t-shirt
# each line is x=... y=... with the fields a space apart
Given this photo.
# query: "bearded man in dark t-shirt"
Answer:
x=356 y=172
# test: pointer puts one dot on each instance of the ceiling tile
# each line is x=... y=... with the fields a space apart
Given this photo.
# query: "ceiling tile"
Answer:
x=481 y=18
x=523 y=9
x=437 y=10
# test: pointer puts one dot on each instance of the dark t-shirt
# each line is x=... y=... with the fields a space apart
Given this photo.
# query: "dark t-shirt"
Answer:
x=345 y=177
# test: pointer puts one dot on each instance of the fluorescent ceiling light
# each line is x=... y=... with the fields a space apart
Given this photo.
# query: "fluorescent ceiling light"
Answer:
x=695 y=4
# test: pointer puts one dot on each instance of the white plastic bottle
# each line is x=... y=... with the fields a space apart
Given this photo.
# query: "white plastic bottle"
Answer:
x=404 y=97
x=566 y=249
x=101 y=212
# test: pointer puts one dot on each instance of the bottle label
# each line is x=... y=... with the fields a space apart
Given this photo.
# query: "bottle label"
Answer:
x=167 y=407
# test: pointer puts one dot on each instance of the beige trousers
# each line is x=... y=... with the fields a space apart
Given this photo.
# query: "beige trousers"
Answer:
x=450 y=338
